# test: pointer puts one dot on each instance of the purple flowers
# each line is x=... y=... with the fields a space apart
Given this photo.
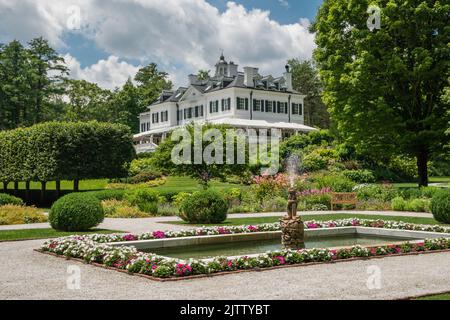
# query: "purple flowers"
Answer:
x=129 y=237
x=314 y=192
x=312 y=225
x=182 y=269
x=252 y=228
x=159 y=234
x=222 y=230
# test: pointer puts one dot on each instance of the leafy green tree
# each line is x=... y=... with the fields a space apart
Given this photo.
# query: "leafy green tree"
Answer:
x=14 y=86
x=87 y=101
x=126 y=107
x=150 y=83
x=48 y=72
x=383 y=87
x=305 y=79
x=203 y=74
x=202 y=171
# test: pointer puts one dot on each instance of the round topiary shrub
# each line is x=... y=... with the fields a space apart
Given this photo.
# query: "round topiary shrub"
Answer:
x=6 y=199
x=204 y=207
x=440 y=206
x=76 y=212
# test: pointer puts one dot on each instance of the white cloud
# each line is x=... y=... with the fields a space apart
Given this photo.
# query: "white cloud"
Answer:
x=284 y=3
x=182 y=36
x=109 y=73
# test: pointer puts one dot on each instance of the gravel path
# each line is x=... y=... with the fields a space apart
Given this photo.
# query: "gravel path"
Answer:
x=147 y=224
x=25 y=274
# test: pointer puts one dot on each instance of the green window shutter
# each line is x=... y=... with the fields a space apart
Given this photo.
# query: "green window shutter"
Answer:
x=229 y=103
x=278 y=107
x=223 y=104
x=246 y=103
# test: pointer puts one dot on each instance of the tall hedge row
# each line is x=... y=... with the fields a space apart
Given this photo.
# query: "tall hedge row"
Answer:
x=56 y=151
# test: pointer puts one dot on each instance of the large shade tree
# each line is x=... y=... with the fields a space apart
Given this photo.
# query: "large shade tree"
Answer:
x=385 y=87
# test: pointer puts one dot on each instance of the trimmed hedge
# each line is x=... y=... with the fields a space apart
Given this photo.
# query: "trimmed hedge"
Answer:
x=6 y=199
x=65 y=151
x=207 y=206
x=76 y=212
x=440 y=206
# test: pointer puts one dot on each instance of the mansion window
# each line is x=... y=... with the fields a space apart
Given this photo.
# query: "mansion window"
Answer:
x=214 y=106
x=269 y=106
x=242 y=103
x=226 y=104
x=257 y=105
x=188 y=113
x=297 y=108
x=198 y=111
x=155 y=117
x=164 y=116
x=282 y=107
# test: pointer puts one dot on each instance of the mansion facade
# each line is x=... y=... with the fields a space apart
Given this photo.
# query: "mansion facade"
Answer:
x=245 y=100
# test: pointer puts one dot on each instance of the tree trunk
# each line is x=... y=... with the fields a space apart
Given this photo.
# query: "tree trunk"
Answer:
x=27 y=191
x=16 y=188
x=5 y=185
x=76 y=184
x=43 y=188
x=422 y=167
x=58 y=188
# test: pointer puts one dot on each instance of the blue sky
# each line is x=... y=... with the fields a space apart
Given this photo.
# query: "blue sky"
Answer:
x=288 y=11
x=181 y=36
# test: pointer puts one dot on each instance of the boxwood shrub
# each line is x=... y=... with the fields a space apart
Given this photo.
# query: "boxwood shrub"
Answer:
x=440 y=206
x=207 y=206
x=76 y=212
x=101 y=195
x=6 y=199
x=146 y=199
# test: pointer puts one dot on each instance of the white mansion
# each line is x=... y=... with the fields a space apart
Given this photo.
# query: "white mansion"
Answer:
x=238 y=99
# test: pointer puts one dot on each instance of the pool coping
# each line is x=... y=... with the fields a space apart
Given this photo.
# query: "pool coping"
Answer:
x=411 y=236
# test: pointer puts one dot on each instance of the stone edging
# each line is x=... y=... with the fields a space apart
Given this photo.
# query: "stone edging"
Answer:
x=99 y=265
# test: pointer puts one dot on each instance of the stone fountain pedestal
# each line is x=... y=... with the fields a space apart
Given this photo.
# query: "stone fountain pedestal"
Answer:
x=293 y=233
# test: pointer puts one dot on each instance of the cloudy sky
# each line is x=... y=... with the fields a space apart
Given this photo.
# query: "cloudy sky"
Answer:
x=107 y=41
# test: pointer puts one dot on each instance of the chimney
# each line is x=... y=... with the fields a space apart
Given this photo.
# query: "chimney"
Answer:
x=249 y=76
x=232 y=69
x=193 y=79
x=288 y=79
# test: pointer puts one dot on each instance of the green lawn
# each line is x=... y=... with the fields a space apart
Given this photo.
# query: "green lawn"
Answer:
x=258 y=220
x=65 y=185
x=443 y=180
x=186 y=184
x=444 y=296
x=29 y=234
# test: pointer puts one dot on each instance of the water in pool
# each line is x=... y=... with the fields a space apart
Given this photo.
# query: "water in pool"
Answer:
x=252 y=247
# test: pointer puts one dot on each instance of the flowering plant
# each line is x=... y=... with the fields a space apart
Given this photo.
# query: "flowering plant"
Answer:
x=92 y=248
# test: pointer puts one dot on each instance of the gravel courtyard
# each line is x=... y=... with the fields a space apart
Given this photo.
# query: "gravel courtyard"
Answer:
x=26 y=274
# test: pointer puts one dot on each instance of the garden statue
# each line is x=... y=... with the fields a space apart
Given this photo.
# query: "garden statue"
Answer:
x=292 y=228
x=292 y=203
